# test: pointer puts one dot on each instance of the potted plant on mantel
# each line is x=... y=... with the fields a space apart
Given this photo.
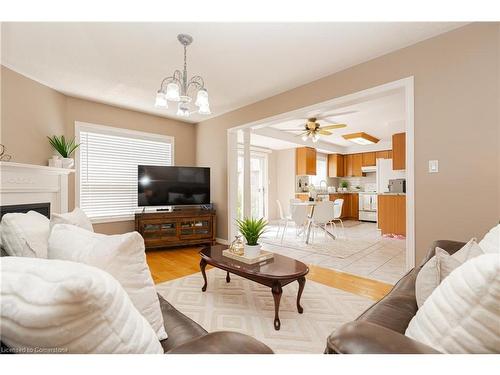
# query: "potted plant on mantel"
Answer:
x=252 y=229
x=64 y=148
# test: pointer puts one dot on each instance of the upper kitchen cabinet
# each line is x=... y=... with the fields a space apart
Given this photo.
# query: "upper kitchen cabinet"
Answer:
x=305 y=161
x=348 y=165
x=352 y=165
x=357 y=162
x=399 y=151
x=387 y=154
x=335 y=165
x=368 y=159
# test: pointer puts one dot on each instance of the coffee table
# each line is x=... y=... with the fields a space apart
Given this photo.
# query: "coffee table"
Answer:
x=274 y=273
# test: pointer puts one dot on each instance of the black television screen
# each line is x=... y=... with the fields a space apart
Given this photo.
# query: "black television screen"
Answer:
x=172 y=186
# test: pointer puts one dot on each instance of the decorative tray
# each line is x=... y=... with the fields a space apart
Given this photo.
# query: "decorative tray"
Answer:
x=264 y=255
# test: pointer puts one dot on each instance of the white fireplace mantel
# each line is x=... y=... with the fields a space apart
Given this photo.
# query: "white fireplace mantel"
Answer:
x=29 y=183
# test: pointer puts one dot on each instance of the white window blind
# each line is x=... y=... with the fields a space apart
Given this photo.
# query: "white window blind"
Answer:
x=107 y=168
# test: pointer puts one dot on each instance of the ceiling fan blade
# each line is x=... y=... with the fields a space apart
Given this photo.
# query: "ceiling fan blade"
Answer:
x=293 y=130
x=336 y=126
x=301 y=134
x=324 y=132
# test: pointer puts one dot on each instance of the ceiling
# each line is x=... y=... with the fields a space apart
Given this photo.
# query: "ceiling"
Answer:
x=380 y=115
x=123 y=63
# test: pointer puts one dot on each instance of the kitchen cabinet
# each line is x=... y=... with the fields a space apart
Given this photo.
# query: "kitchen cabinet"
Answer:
x=368 y=159
x=387 y=154
x=352 y=165
x=335 y=165
x=392 y=214
x=357 y=162
x=348 y=165
x=399 y=151
x=354 y=206
x=350 y=207
x=305 y=161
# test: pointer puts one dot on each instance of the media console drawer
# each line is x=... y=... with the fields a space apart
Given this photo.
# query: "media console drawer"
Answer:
x=177 y=228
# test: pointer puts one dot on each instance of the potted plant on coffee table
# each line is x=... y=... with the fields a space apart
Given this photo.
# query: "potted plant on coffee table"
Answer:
x=252 y=229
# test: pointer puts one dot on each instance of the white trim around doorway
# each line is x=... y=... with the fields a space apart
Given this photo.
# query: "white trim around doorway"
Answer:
x=407 y=85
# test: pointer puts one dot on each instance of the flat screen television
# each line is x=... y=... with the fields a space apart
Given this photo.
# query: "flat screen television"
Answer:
x=173 y=186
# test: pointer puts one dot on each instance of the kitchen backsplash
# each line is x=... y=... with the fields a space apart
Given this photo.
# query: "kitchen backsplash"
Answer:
x=335 y=181
x=357 y=181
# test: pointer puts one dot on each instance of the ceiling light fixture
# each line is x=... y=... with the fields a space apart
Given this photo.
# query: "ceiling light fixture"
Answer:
x=361 y=138
x=178 y=88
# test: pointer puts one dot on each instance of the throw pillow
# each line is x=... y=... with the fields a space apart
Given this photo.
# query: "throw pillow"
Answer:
x=440 y=266
x=462 y=314
x=25 y=235
x=76 y=217
x=122 y=255
x=54 y=306
x=491 y=241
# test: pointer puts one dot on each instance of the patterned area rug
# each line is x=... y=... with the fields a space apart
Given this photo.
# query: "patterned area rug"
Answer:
x=338 y=248
x=248 y=307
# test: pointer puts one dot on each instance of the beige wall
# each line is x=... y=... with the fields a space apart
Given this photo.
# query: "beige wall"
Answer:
x=456 y=121
x=31 y=111
x=102 y=114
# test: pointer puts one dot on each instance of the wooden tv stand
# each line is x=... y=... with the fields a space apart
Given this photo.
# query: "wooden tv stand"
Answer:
x=177 y=228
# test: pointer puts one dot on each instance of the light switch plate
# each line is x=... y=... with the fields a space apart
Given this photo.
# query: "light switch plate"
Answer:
x=433 y=166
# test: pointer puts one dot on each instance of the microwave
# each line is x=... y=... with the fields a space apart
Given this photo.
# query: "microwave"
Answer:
x=397 y=185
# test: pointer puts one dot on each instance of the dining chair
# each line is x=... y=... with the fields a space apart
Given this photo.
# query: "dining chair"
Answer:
x=322 y=216
x=283 y=220
x=337 y=213
x=300 y=215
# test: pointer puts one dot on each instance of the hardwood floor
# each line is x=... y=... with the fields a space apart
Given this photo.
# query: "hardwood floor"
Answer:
x=174 y=263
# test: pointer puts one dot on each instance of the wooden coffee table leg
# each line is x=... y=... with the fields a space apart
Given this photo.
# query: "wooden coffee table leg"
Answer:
x=228 y=279
x=203 y=264
x=302 y=283
x=277 y=291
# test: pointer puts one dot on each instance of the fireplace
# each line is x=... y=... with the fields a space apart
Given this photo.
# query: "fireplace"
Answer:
x=42 y=208
x=36 y=187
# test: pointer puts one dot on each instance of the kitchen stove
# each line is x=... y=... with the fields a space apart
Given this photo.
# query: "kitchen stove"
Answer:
x=368 y=203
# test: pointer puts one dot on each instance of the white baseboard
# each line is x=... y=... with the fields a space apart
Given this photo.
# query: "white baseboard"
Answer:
x=222 y=241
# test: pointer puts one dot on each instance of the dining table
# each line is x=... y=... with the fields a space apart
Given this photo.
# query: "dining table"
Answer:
x=312 y=204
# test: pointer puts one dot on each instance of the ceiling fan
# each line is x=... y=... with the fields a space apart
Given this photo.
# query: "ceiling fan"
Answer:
x=313 y=129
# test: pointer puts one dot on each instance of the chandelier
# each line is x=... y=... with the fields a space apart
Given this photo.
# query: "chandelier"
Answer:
x=178 y=88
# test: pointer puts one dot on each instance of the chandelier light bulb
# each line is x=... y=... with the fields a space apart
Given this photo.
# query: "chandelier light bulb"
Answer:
x=161 y=101
x=202 y=98
x=204 y=110
x=183 y=110
x=173 y=92
x=315 y=138
x=305 y=137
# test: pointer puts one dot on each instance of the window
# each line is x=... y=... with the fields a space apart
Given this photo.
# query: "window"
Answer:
x=107 y=160
x=321 y=170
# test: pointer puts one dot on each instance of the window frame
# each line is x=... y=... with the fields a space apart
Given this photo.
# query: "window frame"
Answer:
x=111 y=130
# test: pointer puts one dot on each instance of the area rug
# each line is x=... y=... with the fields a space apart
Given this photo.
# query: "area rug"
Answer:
x=338 y=248
x=247 y=307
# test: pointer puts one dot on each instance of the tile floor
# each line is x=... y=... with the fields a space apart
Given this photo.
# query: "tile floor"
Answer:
x=383 y=259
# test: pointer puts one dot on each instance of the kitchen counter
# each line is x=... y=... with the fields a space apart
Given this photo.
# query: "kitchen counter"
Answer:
x=326 y=193
x=392 y=194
